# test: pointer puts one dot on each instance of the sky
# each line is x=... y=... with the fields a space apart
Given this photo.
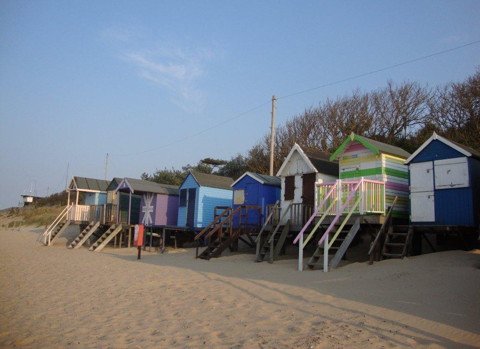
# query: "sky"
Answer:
x=161 y=84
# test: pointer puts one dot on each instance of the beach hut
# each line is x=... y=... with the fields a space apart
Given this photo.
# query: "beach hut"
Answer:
x=382 y=169
x=158 y=204
x=89 y=192
x=444 y=184
x=200 y=193
x=254 y=189
x=372 y=178
x=299 y=173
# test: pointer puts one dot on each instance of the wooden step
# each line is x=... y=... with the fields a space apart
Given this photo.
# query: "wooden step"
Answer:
x=397 y=255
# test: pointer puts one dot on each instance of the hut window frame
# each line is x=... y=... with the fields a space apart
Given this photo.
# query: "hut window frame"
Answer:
x=183 y=198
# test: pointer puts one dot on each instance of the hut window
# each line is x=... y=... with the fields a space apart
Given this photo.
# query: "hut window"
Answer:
x=239 y=197
x=183 y=197
x=289 y=187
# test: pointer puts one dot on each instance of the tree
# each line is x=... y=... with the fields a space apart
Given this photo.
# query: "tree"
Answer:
x=165 y=176
x=455 y=111
x=234 y=168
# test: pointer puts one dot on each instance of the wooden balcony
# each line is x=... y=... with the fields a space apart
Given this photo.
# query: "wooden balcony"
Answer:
x=333 y=196
x=105 y=214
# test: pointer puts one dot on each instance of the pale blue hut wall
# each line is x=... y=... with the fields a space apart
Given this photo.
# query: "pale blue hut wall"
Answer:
x=189 y=183
x=207 y=199
x=95 y=198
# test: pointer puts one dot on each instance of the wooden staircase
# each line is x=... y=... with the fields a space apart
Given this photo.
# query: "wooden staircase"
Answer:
x=91 y=228
x=222 y=234
x=337 y=248
x=106 y=237
x=59 y=229
x=273 y=243
x=216 y=247
x=58 y=226
x=396 y=243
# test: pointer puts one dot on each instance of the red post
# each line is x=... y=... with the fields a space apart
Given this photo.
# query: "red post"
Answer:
x=138 y=238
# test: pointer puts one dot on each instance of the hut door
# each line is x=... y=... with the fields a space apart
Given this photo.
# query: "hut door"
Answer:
x=422 y=197
x=192 y=195
x=308 y=188
x=252 y=198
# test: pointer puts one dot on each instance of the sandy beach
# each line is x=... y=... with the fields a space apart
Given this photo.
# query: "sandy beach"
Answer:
x=53 y=297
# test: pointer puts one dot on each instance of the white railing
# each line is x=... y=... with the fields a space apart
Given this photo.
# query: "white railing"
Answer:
x=371 y=193
x=46 y=235
x=79 y=213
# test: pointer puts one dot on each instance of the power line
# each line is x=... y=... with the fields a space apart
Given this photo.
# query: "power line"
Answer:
x=438 y=53
x=379 y=70
x=199 y=132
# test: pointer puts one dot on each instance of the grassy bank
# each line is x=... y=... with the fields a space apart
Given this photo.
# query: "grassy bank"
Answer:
x=32 y=216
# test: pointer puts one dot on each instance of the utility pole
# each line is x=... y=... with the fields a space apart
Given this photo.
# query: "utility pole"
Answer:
x=272 y=134
x=106 y=166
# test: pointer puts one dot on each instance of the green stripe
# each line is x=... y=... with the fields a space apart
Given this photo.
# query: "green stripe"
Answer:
x=396 y=173
x=372 y=172
x=361 y=173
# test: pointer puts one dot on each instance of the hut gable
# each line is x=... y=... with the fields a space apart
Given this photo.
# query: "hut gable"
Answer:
x=375 y=147
x=260 y=178
x=444 y=183
x=143 y=186
x=299 y=161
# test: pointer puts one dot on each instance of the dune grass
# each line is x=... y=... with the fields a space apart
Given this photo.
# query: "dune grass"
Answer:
x=39 y=216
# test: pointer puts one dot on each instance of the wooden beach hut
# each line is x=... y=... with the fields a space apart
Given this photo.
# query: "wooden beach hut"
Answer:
x=200 y=193
x=373 y=177
x=254 y=189
x=88 y=192
x=363 y=158
x=158 y=204
x=444 y=184
x=299 y=173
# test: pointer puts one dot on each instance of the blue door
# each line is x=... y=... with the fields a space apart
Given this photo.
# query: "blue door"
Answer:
x=252 y=198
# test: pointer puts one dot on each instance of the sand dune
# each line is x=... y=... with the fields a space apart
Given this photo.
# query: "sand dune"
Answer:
x=52 y=297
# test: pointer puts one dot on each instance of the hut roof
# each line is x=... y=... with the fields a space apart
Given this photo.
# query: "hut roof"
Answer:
x=318 y=161
x=141 y=186
x=376 y=146
x=88 y=184
x=213 y=181
x=463 y=149
x=263 y=179
x=114 y=183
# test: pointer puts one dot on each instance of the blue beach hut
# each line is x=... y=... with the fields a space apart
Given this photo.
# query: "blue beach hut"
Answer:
x=253 y=189
x=444 y=184
x=200 y=193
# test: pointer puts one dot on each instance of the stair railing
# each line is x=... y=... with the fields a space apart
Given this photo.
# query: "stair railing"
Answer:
x=48 y=232
x=267 y=221
x=272 y=238
x=315 y=213
x=340 y=211
x=324 y=239
x=382 y=230
x=302 y=243
x=340 y=228
x=213 y=223
x=227 y=219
